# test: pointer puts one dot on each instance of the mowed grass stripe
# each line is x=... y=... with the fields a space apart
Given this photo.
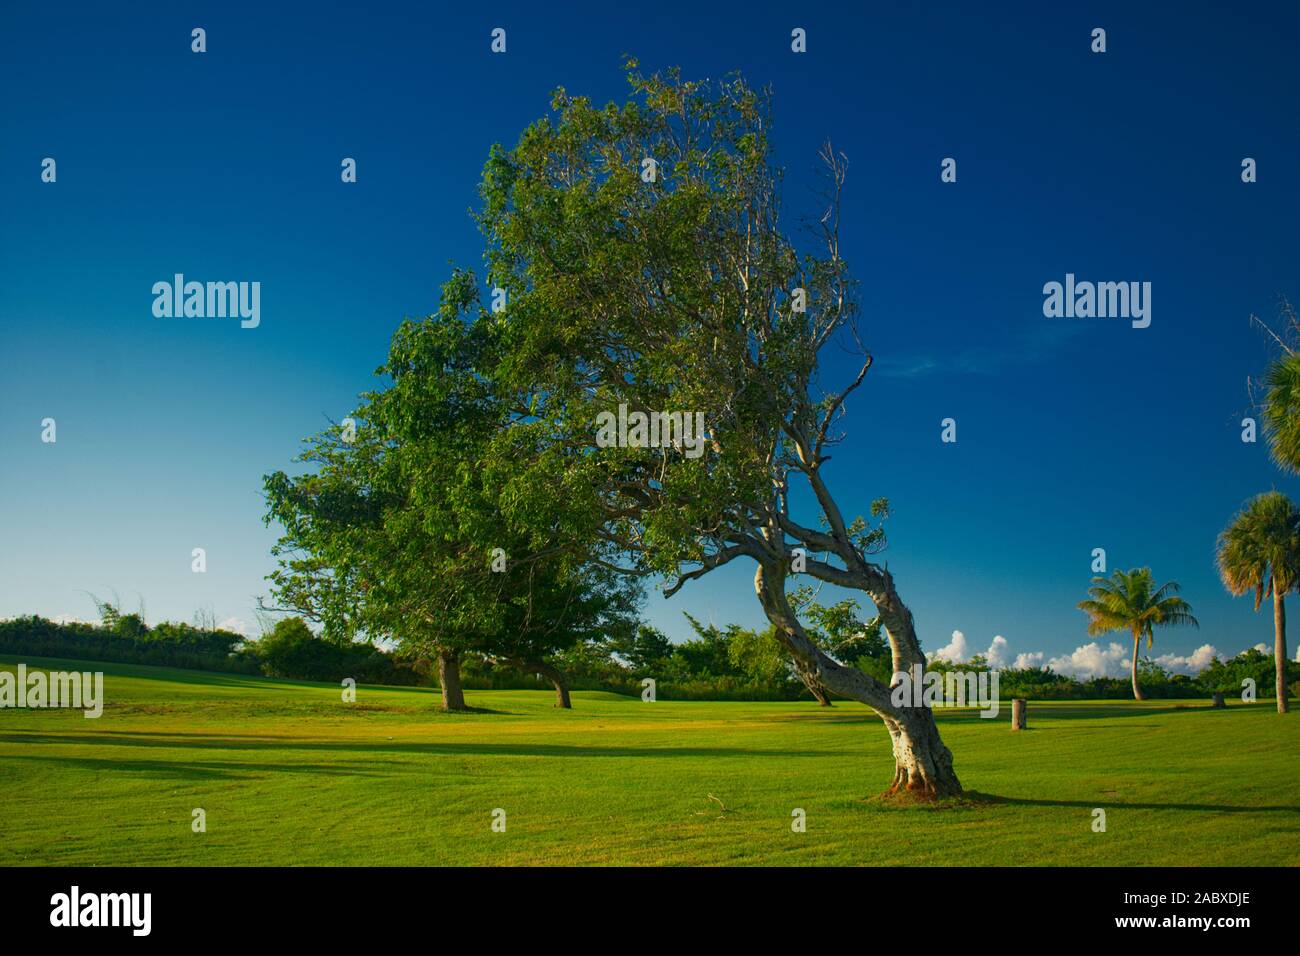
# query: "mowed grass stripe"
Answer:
x=289 y=774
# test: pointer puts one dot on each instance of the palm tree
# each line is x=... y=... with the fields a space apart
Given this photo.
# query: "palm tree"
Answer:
x=1126 y=601
x=1282 y=411
x=1260 y=551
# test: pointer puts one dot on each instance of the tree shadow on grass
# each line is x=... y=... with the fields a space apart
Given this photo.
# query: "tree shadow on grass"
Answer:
x=845 y=716
x=976 y=798
x=1066 y=712
x=188 y=740
x=202 y=770
x=1046 y=712
x=184 y=675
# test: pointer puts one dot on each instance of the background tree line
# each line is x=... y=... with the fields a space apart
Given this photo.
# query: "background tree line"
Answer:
x=730 y=662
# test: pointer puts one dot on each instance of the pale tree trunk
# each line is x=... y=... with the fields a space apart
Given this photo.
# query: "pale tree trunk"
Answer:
x=1279 y=649
x=922 y=764
x=453 y=697
x=921 y=761
x=1137 y=691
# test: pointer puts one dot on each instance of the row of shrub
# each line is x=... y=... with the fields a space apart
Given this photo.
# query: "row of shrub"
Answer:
x=289 y=650
x=704 y=668
x=1224 y=677
x=167 y=645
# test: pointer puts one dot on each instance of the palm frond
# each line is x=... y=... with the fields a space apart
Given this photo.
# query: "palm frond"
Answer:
x=1282 y=412
x=1260 y=549
x=1127 y=601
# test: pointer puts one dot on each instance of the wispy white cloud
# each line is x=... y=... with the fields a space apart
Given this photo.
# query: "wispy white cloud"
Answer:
x=1035 y=344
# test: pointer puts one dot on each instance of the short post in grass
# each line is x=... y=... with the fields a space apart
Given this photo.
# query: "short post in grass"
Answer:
x=1019 y=713
x=1218 y=701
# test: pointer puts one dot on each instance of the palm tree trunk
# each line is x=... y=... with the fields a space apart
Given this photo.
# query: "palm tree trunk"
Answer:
x=1279 y=648
x=1137 y=691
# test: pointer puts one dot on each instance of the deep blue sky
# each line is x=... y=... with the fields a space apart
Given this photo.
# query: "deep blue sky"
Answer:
x=1072 y=434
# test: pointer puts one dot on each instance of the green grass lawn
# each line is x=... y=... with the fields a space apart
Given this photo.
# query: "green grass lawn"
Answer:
x=289 y=774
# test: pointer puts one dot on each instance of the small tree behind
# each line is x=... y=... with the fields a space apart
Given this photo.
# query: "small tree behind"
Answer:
x=1127 y=601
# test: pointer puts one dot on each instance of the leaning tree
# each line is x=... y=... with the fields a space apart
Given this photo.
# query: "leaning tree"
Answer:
x=641 y=264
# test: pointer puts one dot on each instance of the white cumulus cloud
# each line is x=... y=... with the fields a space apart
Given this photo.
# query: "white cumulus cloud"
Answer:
x=233 y=624
x=954 y=652
x=1092 y=660
x=1190 y=664
x=1030 y=659
x=1084 y=662
x=998 y=653
x=959 y=651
